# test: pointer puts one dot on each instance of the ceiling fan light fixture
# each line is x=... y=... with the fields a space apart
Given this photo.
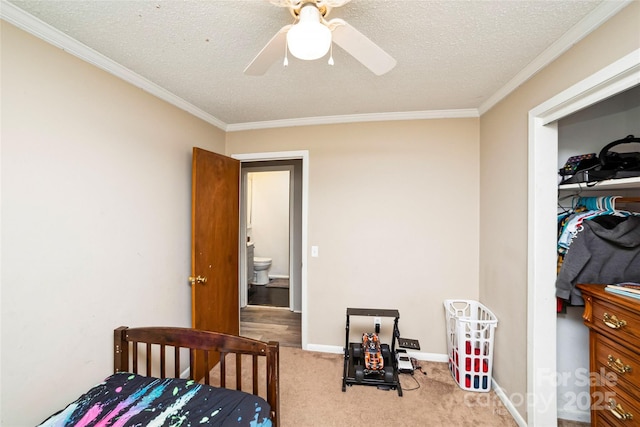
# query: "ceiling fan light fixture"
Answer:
x=309 y=39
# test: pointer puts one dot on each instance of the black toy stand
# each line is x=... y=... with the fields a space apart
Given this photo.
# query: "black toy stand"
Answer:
x=353 y=356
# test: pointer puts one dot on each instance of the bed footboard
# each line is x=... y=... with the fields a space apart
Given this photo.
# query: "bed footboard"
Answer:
x=163 y=352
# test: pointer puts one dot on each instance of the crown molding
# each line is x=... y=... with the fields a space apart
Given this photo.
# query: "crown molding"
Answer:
x=355 y=118
x=588 y=24
x=46 y=32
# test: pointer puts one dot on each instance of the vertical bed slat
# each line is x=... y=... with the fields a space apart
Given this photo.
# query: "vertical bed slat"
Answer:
x=192 y=365
x=255 y=374
x=223 y=370
x=163 y=363
x=148 y=359
x=176 y=367
x=238 y=371
x=207 y=368
x=135 y=357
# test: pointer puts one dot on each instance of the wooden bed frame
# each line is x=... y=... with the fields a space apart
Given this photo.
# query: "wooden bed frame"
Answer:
x=133 y=344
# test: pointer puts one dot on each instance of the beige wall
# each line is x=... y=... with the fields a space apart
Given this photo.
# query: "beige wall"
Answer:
x=393 y=208
x=96 y=189
x=503 y=178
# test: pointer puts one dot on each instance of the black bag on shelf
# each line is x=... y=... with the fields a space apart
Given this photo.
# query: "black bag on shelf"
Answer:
x=613 y=164
x=620 y=164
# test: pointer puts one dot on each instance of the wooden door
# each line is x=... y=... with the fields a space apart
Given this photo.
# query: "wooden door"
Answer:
x=214 y=242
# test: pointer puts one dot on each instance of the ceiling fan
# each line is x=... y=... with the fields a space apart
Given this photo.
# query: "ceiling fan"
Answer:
x=311 y=35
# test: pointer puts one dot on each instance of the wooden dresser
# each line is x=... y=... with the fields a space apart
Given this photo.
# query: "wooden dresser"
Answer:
x=614 y=356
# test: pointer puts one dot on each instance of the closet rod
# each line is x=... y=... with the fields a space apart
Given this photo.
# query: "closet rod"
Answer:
x=627 y=200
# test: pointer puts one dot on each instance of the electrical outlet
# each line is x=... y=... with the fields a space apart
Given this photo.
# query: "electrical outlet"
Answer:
x=377 y=321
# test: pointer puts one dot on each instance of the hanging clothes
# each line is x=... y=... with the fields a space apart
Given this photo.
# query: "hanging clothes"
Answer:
x=596 y=244
x=586 y=208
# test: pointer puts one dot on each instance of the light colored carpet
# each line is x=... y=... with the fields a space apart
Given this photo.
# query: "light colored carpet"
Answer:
x=311 y=395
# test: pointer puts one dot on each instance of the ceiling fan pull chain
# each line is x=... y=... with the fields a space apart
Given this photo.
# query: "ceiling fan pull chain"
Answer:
x=331 y=54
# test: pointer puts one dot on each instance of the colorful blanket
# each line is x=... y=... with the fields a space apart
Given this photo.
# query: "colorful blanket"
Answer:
x=125 y=399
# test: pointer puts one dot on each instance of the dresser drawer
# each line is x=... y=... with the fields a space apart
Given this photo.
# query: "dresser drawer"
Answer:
x=619 y=323
x=615 y=407
x=619 y=365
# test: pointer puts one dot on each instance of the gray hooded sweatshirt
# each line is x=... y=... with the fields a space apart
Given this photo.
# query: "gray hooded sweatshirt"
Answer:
x=600 y=255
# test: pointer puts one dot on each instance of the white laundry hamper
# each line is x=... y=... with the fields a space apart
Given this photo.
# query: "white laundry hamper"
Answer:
x=470 y=335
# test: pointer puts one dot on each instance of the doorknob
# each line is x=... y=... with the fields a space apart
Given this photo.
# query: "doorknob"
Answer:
x=199 y=279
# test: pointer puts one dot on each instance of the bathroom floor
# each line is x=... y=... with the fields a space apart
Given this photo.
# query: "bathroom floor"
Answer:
x=269 y=296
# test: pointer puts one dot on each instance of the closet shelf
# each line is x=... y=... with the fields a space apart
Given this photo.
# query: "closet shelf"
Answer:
x=608 y=185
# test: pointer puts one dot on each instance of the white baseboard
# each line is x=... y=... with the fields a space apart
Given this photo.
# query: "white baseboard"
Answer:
x=321 y=348
x=428 y=357
x=581 y=416
x=576 y=415
x=508 y=404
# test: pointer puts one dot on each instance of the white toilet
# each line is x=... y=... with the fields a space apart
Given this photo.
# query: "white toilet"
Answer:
x=261 y=270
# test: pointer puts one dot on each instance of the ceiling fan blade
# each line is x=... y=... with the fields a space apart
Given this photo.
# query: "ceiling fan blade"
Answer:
x=361 y=47
x=269 y=54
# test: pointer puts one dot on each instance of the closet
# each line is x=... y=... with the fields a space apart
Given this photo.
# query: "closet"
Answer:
x=583 y=132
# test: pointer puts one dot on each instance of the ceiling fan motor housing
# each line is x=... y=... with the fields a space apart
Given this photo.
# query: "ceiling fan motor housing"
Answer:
x=320 y=6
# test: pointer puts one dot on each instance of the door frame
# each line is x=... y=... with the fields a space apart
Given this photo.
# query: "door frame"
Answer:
x=542 y=226
x=287 y=155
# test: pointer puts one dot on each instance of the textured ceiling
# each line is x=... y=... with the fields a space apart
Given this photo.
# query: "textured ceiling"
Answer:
x=451 y=55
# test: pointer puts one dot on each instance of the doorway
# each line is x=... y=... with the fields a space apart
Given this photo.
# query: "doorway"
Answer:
x=269 y=210
x=296 y=162
x=542 y=235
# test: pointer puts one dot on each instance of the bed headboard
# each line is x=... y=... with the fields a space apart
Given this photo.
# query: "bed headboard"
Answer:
x=157 y=351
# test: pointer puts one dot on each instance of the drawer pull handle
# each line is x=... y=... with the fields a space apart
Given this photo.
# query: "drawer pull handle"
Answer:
x=617 y=365
x=612 y=321
x=617 y=410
